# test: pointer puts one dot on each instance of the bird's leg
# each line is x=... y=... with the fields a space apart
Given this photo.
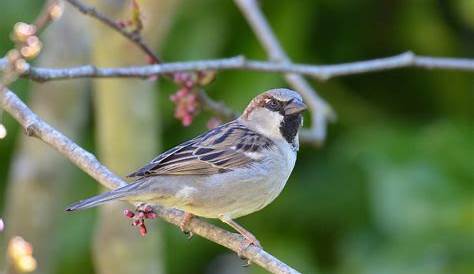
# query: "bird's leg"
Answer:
x=249 y=238
x=141 y=213
x=184 y=223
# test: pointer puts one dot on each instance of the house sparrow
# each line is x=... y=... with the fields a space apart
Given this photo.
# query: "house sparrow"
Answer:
x=230 y=171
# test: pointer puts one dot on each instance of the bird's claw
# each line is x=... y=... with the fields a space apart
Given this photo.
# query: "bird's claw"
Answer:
x=246 y=263
x=141 y=213
x=184 y=223
x=188 y=234
x=248 y=240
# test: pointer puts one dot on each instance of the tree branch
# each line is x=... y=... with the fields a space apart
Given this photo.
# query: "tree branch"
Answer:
x=136 y=38
x=35 y=126
x=218 y=108
x=321 y=112
x=320 y=72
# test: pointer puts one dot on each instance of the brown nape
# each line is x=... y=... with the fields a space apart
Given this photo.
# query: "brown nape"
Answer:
x=258 y=101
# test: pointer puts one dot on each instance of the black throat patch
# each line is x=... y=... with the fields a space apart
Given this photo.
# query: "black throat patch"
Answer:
x=289 y=127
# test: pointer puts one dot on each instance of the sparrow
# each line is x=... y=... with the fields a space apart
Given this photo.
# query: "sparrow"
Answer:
x=228 y=172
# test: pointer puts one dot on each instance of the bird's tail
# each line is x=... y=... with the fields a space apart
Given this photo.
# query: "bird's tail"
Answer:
x=119 y=193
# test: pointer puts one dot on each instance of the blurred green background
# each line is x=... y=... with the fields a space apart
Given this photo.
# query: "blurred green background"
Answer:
x=392 y=189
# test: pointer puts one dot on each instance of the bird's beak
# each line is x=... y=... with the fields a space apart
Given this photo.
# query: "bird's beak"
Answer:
x=295 y=106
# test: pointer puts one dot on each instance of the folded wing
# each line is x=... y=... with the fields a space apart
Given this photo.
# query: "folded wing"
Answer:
x=219 y=150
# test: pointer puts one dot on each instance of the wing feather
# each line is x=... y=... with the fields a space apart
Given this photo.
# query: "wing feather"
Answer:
x=219 y=150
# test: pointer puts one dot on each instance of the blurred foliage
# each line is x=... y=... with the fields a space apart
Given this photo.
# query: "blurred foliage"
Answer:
x=392 y=189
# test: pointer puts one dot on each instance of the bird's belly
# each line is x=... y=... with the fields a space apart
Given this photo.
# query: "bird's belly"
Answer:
x=234 y=195
x=233 y=200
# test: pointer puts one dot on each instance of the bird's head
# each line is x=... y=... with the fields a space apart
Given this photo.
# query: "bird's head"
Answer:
x=276 y=114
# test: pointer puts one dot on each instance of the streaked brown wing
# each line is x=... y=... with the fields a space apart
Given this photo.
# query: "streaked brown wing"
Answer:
x=217 y=151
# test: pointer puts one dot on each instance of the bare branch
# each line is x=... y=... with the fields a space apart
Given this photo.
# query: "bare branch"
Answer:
x=321 y=112
x=320 y=72
x=280 y=62
x=36 y=127
x=133 y=36
x=217 y=107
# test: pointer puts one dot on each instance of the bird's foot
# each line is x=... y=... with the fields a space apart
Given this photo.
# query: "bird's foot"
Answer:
x=184 y=223
x=249 y=239
x=139 y=215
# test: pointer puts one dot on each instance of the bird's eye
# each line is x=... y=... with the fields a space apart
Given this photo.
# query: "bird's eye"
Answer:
x=273 y=105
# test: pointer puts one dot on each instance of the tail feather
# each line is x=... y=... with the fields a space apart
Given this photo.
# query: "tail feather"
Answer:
x=123 y=192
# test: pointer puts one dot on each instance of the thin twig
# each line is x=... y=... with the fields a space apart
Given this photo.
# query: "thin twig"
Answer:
x=321 y=112
x=133 y=36
x=322 y=72
x=35 y=126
